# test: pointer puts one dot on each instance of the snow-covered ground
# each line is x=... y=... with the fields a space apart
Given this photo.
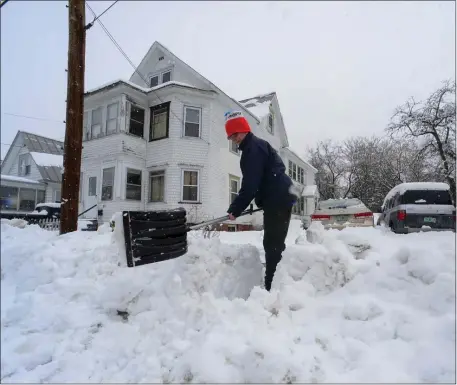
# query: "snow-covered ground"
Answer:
x=358 y=305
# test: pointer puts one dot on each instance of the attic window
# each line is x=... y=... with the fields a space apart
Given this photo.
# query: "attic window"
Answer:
x=166 y=76
x=154 y=81
x=161 y=58
x=270 y=123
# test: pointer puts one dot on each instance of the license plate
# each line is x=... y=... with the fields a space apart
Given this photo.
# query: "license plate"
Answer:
x=429 y=220
x=341 y=218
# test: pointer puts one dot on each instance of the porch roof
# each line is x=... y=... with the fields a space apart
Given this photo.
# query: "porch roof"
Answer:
x=15 y=181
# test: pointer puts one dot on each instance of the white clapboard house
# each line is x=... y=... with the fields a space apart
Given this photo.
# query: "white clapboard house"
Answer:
x=158 y=141
x=31 y=172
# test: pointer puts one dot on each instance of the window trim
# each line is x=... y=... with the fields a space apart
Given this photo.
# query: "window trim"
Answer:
x=182 y=185
x=151 y=110
x=92 y=121
x=86 y=131
x=54 y=194
x=127 y=169
x=231 y=143
x=116 y=118
x=165 y=72
x=88 y=186
x=161 y=172
x=272 y=117
x=238 y=181
x=159 y=75
x=152 y=77
x=188 y=106
x=131 y=104
x=26 y=159
x=114 y=183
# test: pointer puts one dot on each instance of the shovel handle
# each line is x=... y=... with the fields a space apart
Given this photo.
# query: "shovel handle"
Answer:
x=220 y=219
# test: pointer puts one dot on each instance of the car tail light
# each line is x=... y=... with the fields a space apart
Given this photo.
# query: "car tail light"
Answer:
x=401 y=215
x=362 y=215
x=319 y=217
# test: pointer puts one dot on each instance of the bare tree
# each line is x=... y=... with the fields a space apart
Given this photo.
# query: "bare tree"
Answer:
x=433 y=123
x=328 y=159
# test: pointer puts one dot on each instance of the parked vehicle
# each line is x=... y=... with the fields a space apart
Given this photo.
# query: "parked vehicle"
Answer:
x=341 y=213
x=50 y=209
x=414 y=207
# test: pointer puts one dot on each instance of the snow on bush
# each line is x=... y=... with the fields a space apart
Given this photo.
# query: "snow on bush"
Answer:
x=358 y=305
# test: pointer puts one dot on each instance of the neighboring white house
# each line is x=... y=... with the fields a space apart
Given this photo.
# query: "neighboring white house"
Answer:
x=31 y=172
x=158 y=141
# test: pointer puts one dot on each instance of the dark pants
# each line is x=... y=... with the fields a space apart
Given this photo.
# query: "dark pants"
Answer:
x=275 y=225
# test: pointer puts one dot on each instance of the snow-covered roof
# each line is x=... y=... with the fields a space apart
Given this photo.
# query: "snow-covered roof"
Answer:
x=310 y=191
x=145 y=90
x=259 y=105
x=49 y=204
x=38 y=143
x=403 y=187
x=12 y=178
x=42 y=159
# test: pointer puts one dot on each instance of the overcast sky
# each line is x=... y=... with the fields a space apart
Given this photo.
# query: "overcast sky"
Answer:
x=339 y=68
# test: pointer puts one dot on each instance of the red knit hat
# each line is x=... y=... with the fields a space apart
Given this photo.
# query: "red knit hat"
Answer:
x=236 y=123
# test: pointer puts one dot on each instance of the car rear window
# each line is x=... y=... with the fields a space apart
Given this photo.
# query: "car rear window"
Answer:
x=426 y=197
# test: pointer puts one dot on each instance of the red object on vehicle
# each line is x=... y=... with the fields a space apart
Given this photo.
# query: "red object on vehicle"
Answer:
x=401 y=215
x=319 y=217
x=359 y=215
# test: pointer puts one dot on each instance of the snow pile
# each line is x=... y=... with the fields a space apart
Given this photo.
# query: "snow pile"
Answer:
x=358 y=305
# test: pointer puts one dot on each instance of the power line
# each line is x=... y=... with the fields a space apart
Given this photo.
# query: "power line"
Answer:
x=88 y=26
x=34 y=117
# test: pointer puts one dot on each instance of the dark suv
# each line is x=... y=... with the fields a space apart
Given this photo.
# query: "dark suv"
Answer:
x=414 y=207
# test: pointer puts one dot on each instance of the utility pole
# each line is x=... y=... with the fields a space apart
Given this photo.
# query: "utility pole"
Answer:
x=74 y=119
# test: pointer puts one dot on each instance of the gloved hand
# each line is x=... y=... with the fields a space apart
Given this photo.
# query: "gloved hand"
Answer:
x=231 y=217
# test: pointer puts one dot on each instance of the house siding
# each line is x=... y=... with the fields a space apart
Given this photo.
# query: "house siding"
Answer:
x=152 y=65
x=34 y=172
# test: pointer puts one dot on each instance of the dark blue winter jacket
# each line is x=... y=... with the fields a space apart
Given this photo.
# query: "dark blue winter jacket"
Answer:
x=264 y=177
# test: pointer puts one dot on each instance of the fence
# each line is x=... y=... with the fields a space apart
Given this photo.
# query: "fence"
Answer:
x=50 y=224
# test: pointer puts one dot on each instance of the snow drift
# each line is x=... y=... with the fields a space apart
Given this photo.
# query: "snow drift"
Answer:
x=360 y=305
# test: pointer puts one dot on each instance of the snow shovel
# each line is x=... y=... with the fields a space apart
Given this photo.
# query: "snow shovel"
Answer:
x=157 y=236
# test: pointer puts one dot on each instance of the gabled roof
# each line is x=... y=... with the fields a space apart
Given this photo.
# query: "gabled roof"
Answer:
x=156 y=44
x=144 y=90
x=259 y=105
x=37 y=144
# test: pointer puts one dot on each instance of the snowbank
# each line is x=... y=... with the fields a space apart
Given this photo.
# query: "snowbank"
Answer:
x=358 y=305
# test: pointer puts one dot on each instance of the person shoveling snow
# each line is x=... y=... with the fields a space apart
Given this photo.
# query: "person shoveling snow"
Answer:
x=266 y=181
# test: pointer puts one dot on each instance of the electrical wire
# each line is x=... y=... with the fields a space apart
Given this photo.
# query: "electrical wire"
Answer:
x=88 y=26
x=34 y=117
